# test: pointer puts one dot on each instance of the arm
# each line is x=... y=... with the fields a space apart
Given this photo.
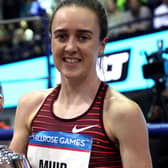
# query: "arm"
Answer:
x=21 y=130
x=26 y=110
x=131 y=132
x=124 y=123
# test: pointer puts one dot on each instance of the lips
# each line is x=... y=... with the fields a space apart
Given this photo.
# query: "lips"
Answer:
x=71 y=60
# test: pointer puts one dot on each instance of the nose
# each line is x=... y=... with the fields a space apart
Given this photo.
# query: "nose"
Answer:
x=71 y=45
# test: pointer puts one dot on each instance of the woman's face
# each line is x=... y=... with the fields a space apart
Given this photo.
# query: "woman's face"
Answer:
x=111 y=6
x=75 y=41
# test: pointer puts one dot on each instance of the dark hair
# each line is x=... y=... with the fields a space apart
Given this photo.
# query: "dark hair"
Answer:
x=93 y=5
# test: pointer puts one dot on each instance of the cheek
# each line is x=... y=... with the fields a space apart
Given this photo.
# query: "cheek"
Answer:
x=56 y=51
x=93 y=53
x=56 y=56
x=92 y=57
x=53 y=46
x=57 y=62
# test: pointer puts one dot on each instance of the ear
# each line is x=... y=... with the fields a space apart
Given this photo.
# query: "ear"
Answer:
x=102 y=46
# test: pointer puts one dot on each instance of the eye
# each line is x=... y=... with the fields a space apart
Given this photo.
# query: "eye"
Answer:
x=61 y=37
x=83 y=38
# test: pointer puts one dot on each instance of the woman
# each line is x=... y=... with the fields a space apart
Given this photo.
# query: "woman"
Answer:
x=115 y=18
x=82 y=122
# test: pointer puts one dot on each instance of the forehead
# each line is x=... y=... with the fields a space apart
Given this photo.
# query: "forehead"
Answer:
x=75 y=15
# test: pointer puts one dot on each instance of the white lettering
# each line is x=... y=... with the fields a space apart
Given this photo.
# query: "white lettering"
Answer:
x=51 y=139
x=69 y=141
x=111 y=67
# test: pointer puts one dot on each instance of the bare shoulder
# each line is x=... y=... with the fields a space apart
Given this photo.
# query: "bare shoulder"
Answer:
x=30 y=103
x=33 y=98
x=118 y=104
x=125 y=124
x=121 y=113
x=26 y=109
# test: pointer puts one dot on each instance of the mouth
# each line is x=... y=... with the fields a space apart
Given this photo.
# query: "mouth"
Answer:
x=71 y=60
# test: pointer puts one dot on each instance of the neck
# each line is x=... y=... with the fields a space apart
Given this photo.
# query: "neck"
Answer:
x=78 y=91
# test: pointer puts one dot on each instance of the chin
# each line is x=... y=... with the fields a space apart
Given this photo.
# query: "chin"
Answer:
x=72 y=76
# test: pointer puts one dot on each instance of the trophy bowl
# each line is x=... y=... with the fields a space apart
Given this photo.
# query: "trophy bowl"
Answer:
x=10 y=159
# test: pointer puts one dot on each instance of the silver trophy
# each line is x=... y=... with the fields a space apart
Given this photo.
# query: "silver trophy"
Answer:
x=10 y=159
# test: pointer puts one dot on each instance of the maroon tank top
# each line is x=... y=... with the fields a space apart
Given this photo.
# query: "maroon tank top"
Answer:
x=104 y=153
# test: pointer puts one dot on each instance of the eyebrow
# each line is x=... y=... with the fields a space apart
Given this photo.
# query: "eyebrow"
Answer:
x=79 y=31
